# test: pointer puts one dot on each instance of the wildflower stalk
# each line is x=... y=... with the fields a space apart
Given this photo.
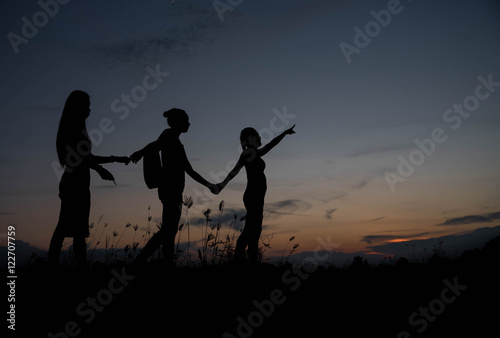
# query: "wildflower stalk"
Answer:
x=205 y=236
x=283 y=254
x=188 y=203
x=99 y=239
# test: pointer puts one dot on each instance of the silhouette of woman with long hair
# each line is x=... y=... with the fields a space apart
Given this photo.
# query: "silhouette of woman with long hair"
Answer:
x=253 y=198
x=74 y=151
x=174 y=166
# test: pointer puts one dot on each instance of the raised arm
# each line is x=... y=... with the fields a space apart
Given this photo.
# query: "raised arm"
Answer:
x=265 y=149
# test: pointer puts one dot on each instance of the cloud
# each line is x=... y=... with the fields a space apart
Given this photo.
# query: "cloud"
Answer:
x=454 y=244
x=182 y=29
x=336 y=195
x=466 y=220
x=272 y=211
x=288 y=206
x=360 y=184
x=383 y=238
x=495 y=215
x=376 y=219
x=227 y=217
x=280 y=213
x=484 y=218
x=363 y=183
x=185 y=26
x=329 y=213
x=309 y=11
x=378 y=238
x=451 y=244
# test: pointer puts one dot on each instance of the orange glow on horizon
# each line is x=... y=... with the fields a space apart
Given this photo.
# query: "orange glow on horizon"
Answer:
x=398 y=240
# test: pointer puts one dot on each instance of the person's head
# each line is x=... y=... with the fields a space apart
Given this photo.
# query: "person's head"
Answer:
x=177 y=119
x=77 y=106
x=250 y=138
x=72 y=124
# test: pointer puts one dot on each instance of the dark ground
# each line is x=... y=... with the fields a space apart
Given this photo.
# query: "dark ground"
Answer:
x=213 y=301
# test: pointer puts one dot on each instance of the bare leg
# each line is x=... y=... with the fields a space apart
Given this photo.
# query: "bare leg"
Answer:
x=242 y=242
x=151 y=246
x=170 y=220
x=165 y=237
x=253 y=227
x=80 y=251
x=253 y=241
x=55 y=248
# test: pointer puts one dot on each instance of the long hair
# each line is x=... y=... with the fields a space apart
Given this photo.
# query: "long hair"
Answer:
x=72 y=129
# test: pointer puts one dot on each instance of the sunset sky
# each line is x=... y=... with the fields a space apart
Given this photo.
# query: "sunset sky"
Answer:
x=396 y=127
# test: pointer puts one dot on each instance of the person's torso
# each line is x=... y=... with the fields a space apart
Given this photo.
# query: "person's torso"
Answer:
x=173 y=159
x=255 y=174
x=76 y=167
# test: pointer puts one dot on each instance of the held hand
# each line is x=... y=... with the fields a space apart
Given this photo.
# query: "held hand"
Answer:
x=136 y=157
x=105 y=174
x=122 y=159
x=220 y=186
x=290 y=131
x=214 y=189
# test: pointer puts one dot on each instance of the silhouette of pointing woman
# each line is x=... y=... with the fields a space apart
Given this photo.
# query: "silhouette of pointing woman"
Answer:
x=253 y=198
x=174 y=166
x=74 y=151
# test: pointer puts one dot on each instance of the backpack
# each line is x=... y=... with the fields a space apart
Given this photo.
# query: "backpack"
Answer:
x=152 y=169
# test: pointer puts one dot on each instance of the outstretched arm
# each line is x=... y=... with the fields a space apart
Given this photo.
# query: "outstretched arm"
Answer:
x=195 y=176
x=265 y=149
x=111 y=159
x=136 y=157
x=95 y=161
x=233 y=173
x=198 y=178
x=103 y=172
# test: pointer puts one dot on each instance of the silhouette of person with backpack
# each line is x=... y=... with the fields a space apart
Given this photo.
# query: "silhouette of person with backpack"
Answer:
x=174 y=165
x=74 y=151
x=253 y=198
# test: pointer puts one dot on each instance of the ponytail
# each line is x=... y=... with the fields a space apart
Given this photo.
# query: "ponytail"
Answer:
x=174 y=115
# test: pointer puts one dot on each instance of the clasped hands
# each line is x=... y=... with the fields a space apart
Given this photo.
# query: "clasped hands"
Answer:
x=215 y=188
x=121 y=159
x=135 y=157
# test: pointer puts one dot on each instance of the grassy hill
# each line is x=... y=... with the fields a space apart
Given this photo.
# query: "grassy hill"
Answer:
x=439 y=298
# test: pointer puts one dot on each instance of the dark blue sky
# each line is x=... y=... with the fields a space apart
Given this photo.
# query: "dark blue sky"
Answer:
x=267 y=65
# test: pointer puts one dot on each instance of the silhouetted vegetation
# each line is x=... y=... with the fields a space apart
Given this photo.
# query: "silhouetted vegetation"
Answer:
x=207 y=299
